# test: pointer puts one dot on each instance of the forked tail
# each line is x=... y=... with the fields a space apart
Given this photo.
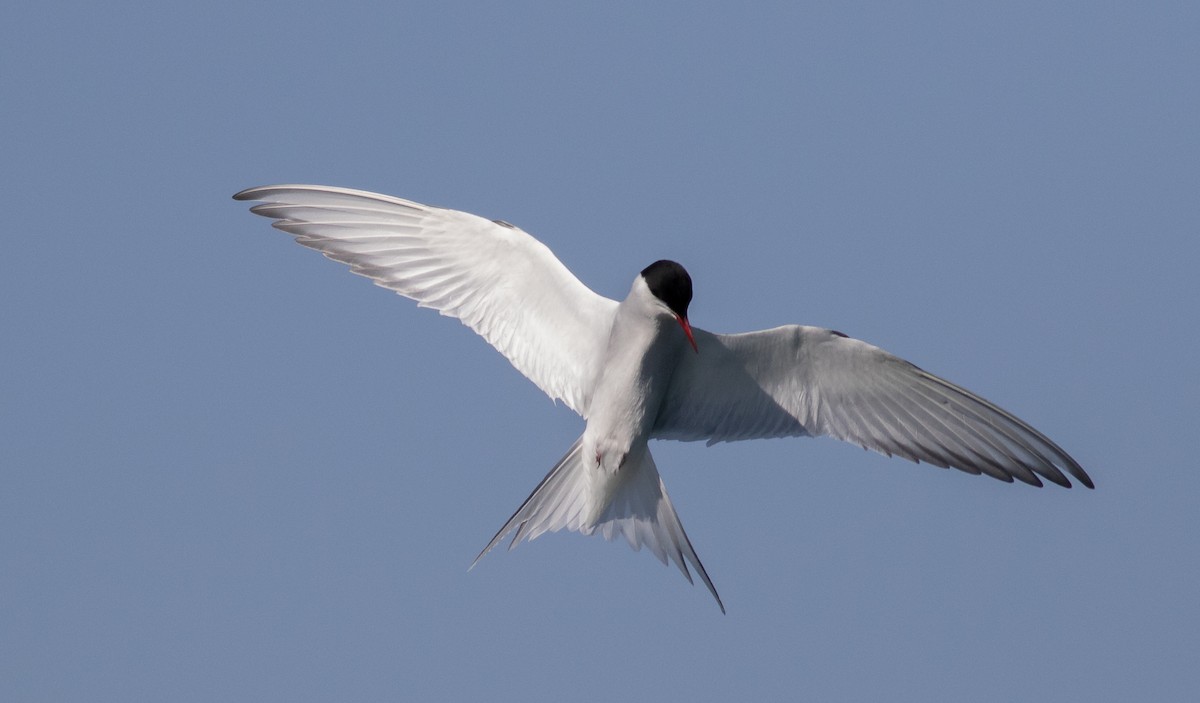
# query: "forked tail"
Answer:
x=632 y=502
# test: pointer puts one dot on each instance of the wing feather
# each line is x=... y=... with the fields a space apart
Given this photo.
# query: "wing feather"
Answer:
x=794 y=380
x=495 y=278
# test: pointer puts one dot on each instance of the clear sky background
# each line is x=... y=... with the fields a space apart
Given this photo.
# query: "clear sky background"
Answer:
x=231 y=470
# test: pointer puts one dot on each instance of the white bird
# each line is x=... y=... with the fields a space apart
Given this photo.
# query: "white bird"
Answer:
x=637 y=370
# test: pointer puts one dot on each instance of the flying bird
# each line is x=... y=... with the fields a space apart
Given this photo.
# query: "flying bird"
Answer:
x=637 y=370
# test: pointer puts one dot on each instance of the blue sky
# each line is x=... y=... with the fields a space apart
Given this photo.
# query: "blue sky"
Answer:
x=233 y=471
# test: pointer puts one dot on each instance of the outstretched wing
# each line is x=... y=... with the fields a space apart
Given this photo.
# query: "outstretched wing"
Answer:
x=495 y=278
x=795 y=380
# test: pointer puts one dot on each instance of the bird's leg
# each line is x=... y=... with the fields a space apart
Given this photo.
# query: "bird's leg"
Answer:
x=600 y=463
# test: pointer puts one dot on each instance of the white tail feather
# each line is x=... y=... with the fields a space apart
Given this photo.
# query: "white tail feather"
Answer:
x=631 y=502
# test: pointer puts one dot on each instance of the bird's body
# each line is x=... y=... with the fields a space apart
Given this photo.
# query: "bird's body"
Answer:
x=636 y=370
x=642 y=352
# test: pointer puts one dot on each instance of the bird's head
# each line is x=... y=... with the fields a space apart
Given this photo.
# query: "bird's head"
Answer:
x=671 y=286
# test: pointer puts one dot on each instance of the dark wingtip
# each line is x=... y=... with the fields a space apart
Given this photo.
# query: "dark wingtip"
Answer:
x=249 y=193
x=1035 y=482
x=1079 y=474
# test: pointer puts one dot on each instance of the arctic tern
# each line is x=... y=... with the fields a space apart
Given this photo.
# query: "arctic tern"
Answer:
x=637 y=370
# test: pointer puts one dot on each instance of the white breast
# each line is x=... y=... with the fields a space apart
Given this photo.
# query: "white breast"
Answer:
x=643 y=351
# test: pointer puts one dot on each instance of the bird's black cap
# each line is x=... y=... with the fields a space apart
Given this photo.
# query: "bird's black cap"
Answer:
x=670 y=283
